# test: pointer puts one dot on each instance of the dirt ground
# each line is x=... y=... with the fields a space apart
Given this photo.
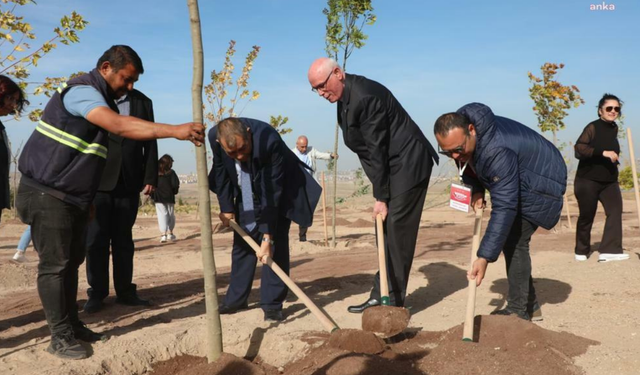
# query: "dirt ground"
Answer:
x=590 y=309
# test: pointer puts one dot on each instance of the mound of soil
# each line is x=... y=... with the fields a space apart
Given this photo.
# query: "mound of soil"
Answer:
x=227 y=364
x=339 y=221
x=385 y=320
x=504 y=345
x=361 y=223
x=357 y=341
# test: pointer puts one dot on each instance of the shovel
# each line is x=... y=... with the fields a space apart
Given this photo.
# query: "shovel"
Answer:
x=384 y=320
x=467 y=332
x=328 y=324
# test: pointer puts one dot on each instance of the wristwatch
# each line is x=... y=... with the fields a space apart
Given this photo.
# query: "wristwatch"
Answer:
x=265 y=239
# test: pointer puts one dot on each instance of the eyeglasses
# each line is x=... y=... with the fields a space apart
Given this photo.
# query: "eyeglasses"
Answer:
x=458 y=150
x=610 y=108
x=323 y=84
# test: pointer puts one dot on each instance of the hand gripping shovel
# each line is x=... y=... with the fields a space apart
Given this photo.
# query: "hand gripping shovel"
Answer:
x=467 y=333
x=328 y=324
x=384 y=320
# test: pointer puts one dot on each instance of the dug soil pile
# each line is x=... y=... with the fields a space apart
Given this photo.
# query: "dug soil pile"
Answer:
x=504 y=345
x=361 y=223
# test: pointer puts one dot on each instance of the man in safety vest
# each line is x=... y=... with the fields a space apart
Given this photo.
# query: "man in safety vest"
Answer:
x=61 y=166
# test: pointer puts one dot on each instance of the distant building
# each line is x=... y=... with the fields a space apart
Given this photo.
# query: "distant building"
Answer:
x=190 y=178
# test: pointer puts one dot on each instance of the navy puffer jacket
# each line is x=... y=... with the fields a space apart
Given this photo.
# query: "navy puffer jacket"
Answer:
x=524 y=173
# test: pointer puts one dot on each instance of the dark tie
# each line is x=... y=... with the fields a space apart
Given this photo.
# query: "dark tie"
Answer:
x=247 y=216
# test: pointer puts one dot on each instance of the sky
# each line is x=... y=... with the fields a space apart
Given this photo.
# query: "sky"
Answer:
x=435 y=56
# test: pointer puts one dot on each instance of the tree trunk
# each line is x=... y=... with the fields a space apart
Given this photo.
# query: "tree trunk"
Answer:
x=214 y=328
x=634 y=172
x=335 y=185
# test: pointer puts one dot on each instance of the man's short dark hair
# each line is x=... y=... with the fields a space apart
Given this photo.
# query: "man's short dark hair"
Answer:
x=119 y=56
x=449 y=121
x=229 y=128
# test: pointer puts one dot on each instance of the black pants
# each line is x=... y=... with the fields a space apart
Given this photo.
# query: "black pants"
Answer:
x=401 y=233
x=302 y=232
x=58 y=231
x=588 y=193
x=111 y=228
x=522 y=294
x=273 y=291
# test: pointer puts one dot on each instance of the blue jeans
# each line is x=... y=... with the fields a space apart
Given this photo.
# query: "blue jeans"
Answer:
x=25 y=239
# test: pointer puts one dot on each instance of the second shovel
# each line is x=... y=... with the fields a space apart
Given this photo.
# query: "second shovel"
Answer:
x=385 y=320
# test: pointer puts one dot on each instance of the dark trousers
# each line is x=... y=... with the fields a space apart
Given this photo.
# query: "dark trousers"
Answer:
x=111 y=228
x=273 y=291
x=58 y=231
x=588 y=193
x=522 y=294
x=401 y=233
x=302 y=233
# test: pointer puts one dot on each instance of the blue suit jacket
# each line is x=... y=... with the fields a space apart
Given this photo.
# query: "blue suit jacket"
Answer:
x=279 y=180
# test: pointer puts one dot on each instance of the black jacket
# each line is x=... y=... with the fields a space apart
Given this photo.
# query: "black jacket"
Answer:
x=140 y=165
x=597 y=137
x=167 y=188
x=393 y=151
x=5 y=163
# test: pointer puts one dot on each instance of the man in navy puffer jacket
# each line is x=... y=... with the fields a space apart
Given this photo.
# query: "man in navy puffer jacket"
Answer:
x=526 y=178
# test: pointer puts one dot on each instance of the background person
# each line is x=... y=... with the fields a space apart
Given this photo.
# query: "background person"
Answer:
x=165 y=197
x=21 y=249
x=308 y=155
x=12 y=101
x=596 y=180
x=130 y=169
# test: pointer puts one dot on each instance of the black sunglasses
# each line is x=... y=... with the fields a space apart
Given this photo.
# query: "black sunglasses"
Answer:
x=611 y=108
x=458 y=150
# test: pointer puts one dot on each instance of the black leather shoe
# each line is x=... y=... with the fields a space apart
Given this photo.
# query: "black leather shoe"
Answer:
x=303 y=239
x=225 y=310
x=358 y=309
x=81 y=332
x=93 y=305
x=133 y=300
x=273 y=316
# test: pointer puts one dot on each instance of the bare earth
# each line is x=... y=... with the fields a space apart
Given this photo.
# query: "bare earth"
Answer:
x=590 y=309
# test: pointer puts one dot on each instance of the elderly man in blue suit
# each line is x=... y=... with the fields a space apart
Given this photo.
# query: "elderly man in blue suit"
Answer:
x=526 y=177
x=259 y=181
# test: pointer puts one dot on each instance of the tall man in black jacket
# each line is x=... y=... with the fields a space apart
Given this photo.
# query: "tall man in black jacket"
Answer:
x=132 y=167
x=394 y=154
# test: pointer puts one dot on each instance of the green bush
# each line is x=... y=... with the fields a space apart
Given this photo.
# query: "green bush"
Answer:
x=625 y=178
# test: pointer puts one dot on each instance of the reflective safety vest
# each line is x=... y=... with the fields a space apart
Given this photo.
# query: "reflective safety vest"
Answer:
x=66 y=154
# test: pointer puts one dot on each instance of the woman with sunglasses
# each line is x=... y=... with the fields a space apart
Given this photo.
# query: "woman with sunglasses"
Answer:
x=597 y=180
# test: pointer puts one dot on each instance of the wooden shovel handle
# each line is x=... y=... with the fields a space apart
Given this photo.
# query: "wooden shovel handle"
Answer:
x=328 y=324
x=467 y=334
x=382 y=262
